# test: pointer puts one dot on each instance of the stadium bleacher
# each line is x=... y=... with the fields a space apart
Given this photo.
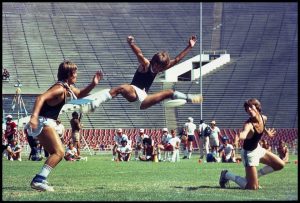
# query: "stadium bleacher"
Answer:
x=260 y=37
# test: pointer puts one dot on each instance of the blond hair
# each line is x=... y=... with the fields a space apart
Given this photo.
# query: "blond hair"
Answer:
x=66 y=69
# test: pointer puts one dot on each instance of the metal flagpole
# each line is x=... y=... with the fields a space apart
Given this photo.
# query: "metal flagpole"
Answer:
x=200 y=61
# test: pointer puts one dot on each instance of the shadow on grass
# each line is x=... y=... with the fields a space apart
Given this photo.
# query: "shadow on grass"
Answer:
x=16 y=188
x=203 y=187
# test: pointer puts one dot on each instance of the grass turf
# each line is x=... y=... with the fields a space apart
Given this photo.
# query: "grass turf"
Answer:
x=100 y=179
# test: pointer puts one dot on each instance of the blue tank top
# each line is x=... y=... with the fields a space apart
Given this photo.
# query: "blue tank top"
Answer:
x=52 y=111
x=143 y=80
x=252 y=143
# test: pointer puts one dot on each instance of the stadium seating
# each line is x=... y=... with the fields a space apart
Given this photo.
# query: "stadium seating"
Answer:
x=96 y=137
x=260 y=37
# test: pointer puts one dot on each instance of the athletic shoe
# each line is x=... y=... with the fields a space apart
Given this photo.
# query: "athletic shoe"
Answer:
x=185 y=157
x=99 y=98
x=95 y=104
x=19 y=159
x=179 y=95
x=194 y=98
x=223 y=180
x=41 y=184
x=83 y=158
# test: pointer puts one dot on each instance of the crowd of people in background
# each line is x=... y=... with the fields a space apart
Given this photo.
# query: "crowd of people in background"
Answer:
x=213 y=147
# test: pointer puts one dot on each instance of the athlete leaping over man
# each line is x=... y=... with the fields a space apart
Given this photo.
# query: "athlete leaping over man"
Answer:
x=144 y=77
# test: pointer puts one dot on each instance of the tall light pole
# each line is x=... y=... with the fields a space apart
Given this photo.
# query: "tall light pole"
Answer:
x=200 y=60
x=20 y=103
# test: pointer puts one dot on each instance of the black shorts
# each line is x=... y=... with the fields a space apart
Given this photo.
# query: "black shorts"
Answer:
x=191 y=138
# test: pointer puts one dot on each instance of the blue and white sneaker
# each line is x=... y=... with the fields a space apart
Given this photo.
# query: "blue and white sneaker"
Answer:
x=191 y=98
x=223 y=181
x=194 y=98
x=40 y=183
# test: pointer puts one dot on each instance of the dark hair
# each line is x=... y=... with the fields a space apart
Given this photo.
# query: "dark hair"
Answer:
x=147 y=141
x=123 y=140
x=65 y=69
x=252 y=101
x=202 y=121
x=75 y=114
x=160 y=58
x=225 y=138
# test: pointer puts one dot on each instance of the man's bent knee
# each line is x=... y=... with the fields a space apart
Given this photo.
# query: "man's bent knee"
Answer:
x=60 y=153
x=143 y=107
x=279 y=166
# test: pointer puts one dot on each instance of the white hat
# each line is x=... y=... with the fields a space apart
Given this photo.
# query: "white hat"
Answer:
x=165 y=130
x=190 y=119
x=142 y=130
x=9 y=116
x=119 y=130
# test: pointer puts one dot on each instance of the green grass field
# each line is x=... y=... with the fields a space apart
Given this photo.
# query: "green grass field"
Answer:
x=100 y=179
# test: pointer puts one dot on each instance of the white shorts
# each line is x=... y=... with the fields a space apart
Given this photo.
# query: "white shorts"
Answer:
x=214 y=142
x=141 y=94
x=76 y=136
x=251 y=158
x=42 y=122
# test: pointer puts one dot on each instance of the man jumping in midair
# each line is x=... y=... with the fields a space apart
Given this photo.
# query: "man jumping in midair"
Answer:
x=144 y=77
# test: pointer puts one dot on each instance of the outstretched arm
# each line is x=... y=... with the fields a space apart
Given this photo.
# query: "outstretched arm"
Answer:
x=138 y=52
x=192 y=42
x=84 y=92
x=271 y=131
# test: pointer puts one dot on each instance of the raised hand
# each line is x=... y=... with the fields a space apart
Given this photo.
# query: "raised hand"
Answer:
x=271 y=132
x=192 y=40
x=97 y=77
x=130 y=39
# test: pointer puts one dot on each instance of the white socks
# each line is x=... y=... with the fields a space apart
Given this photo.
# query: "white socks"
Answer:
x=159 y=156
x=46 y=169
x=264 y=171
x=242 y=182
x=179 y=95
x=104 y=97
x=190 y=154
